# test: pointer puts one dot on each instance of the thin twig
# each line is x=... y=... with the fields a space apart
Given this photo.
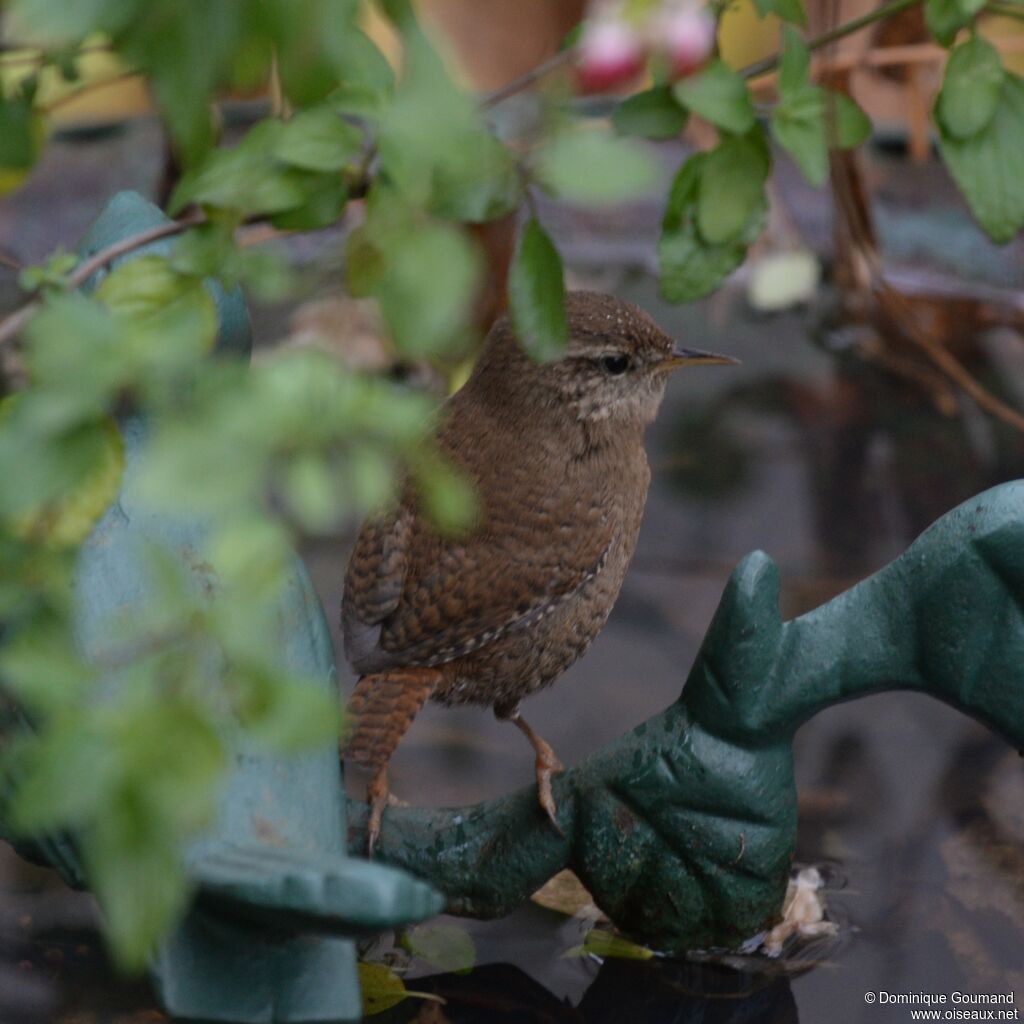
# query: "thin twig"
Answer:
x=760 y=67
x=524 y=81
x=13 y=323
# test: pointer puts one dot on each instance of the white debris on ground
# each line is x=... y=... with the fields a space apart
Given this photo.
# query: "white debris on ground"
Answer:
x=803 y=913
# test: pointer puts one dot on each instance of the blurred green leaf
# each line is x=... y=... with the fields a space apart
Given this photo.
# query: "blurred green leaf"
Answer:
x=248 y=178
x=848 y=125
x=21 y=136
x=594 y=166
x=946 y=17
x=971 y=88
x=135 y=870
x=602 y=943
x=653 y=114
x=434 y=146
x=719 y=95
x=690 y=266
x=381 y=988
x=41 y=666
x=447 y=947
x=798 y=126
x=787 y=10
x=55 y=22
x=798 y=121
x=988 y=167
x=68 y=519
x=317 y=140
x=64 y=776
x=536 y=294
x=426 y=290
x=312 y=492
x=731 y=187
x=448 y=496
x=325 y=198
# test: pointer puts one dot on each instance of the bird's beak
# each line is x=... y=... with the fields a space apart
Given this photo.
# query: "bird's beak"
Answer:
x=694 y=357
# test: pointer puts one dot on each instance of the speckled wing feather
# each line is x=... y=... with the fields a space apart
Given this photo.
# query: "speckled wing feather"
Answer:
x=413 y=597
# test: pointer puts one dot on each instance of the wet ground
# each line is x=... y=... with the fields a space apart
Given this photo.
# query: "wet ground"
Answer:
x=831 y=467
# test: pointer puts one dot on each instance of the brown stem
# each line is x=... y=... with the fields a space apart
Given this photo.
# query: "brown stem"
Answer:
x=13 y=323
x=525 y=80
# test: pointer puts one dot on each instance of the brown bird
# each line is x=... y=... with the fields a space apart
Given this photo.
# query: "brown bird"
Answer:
x=556 y=453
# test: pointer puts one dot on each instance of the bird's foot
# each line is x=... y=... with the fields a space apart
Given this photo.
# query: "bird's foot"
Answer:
x=546 y=765
x=378 y=796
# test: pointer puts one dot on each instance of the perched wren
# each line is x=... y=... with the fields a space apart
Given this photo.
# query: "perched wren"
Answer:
x=556 y=453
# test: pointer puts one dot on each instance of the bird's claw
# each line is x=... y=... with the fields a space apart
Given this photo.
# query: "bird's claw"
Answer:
x=378 y=796
x=546 y=767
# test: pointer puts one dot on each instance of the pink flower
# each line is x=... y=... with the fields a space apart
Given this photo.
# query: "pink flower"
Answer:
x=686 y=35
x=610 y=53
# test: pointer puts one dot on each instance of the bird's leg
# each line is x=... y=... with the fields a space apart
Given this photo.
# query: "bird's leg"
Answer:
x=382 y=707
x=546 y=765
x=378 y=796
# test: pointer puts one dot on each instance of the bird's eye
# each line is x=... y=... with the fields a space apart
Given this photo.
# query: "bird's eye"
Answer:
x=616 y=365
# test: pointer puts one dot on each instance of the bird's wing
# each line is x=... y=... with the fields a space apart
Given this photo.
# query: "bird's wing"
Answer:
x=414 y=597
x=374 y=583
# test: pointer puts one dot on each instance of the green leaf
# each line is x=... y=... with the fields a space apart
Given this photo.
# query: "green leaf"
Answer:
x=448 y=495
x=317 y=140
x=51 y=23
x=447 y=947
x=20 y=136
x=848 y=125
x=536 y=294
x=486 y=187
x=690 y=267
x=325 y=198
x=593 y=166
x=428 y=287
x=798 y=125
x=787 y=10
x=946 y=17
x=731 y=187
x=719 y=95
x=65 y=774
x=602 y=943
x=798 y=121
x=989 y=166
x=970 y=89
x=795 y=63
x=135 y=870
x=247 y=179
x=68 y=520
x=381 y=988
x=434 y=146
x=653 y=114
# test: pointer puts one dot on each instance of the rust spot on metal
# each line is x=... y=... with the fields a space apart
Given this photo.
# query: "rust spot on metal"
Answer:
x=266 y=832
x=624 y=820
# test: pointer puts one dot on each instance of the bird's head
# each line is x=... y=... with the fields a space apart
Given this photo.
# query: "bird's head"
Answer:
x=613 y=370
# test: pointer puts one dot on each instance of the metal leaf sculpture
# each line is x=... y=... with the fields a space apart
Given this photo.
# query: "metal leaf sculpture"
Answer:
x=684 y=829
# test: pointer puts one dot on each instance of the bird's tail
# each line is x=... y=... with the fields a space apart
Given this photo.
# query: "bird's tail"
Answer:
x=381 y=708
